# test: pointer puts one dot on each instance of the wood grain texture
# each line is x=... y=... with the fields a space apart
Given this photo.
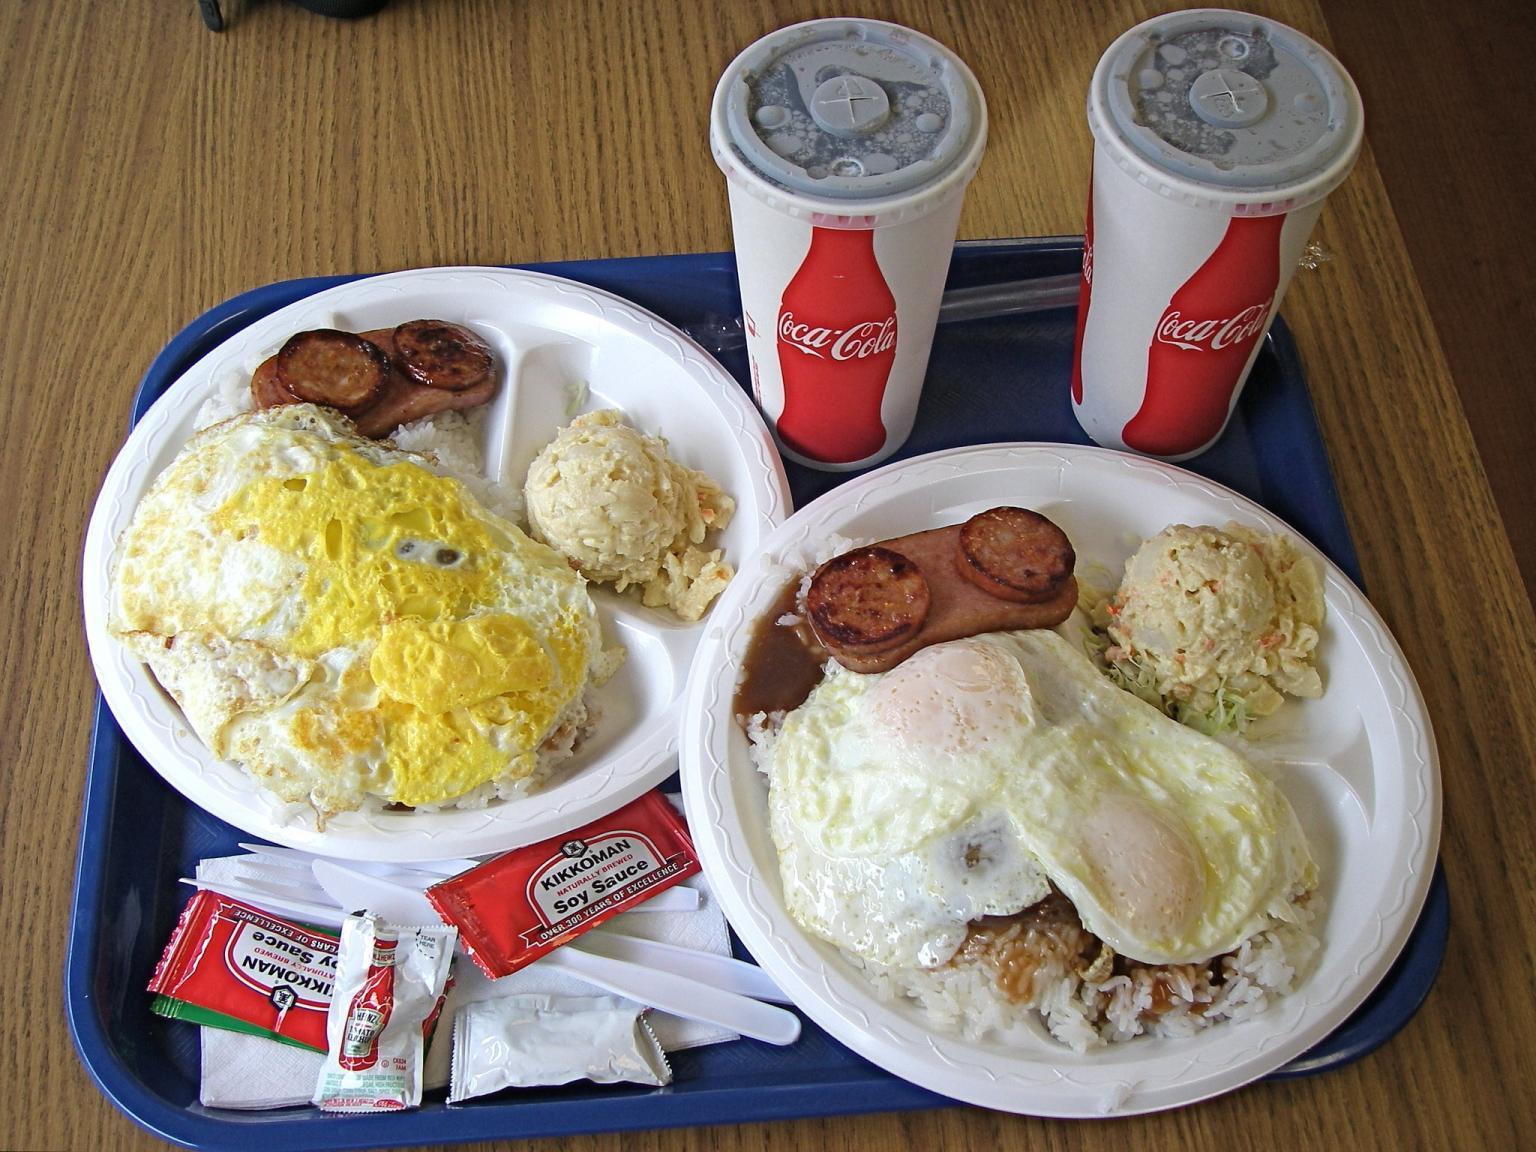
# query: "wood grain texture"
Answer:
x=1461 y=182
x=154 y=169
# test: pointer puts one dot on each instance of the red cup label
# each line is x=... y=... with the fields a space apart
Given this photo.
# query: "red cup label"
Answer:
x=837 y=337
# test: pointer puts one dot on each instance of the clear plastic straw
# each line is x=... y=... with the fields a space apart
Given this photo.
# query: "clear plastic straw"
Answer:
x=718 y=334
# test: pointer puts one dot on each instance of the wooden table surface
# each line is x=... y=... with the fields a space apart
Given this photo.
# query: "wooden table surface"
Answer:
x=155 y=169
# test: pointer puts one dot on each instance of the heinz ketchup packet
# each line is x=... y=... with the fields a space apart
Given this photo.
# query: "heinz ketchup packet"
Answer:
x=389 y=987
x=514 y=909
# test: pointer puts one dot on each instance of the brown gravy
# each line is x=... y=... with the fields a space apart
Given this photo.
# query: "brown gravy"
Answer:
x=783 y=662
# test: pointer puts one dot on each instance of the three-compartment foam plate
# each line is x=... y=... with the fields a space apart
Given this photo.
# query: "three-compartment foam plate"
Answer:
x=555 y=341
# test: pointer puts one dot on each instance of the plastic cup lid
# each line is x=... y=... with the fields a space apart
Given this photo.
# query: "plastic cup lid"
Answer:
x=849 y=116
x=1223 y=108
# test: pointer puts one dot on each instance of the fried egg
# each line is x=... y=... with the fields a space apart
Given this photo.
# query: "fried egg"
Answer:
x=346 y=624
x=976 y=774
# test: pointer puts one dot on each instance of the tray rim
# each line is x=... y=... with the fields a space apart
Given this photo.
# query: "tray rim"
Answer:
x=1369 y=1028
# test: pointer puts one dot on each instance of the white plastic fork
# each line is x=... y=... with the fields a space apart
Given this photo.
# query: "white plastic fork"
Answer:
x=608 y=939
x=684 y=981
x=273 y=898
x=300 y=859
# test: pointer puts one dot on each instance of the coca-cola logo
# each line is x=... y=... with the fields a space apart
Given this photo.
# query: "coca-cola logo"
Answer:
x=1087 y=261
x=1212 y=335
x=856 y=342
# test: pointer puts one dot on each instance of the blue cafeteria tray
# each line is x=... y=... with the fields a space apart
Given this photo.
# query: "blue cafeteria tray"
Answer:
x=997 y=379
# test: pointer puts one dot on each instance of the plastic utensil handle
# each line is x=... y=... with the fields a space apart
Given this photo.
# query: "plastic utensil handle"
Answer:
x=679 y=995
x=355 y=890
x=299 y=859
x=267 y=901
x=678 y=898
x=724 y=972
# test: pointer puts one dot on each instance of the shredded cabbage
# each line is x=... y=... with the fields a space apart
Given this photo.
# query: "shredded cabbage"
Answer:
x=1229 y=713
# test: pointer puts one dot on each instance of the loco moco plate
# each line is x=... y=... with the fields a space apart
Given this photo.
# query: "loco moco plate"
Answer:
x=1359 y=766
x=555 y=341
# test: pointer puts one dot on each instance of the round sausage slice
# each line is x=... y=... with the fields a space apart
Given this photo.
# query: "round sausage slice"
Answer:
x=1014 y=554
x=442 y=355
x=867 y=600
x=338 y=369
x=267 y=390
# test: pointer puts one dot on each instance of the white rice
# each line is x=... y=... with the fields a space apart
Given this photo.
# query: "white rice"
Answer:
x=1086 y=1004
x=1086 y=1009
x=451 y=441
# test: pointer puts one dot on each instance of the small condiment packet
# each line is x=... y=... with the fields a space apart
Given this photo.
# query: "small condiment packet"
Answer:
x=703 y=930
x=389 y=989
x=519 y=906
x=230 y=965
x=523 y=1041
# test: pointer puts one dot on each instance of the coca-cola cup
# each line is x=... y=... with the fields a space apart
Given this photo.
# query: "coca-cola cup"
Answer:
x=847 y=146
x=1217 y=136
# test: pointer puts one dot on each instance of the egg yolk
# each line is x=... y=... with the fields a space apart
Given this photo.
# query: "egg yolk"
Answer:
x=953 y=700
x=440 y=665
x=391 y=555
x=377 y=542
x=1147 y=870
x=436 y=756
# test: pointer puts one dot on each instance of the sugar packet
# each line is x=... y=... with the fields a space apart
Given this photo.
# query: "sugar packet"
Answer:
x=523 y=1041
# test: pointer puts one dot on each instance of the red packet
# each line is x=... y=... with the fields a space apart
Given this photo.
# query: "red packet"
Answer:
x=511 y=910
x=233 y=966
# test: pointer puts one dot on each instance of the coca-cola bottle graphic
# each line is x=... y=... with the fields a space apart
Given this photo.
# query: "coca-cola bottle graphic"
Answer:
x=837 y=342
x=1204 y=339
x=370 y=1009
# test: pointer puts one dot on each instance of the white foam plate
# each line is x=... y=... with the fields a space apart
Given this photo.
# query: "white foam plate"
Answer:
x=1359 y=766
x=550 y=336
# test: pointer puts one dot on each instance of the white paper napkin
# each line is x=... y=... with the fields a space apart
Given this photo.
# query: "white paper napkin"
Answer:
x=243 y=1071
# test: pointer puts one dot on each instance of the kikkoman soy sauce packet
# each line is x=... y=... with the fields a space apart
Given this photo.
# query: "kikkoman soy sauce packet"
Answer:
x=232 y=966
x=511 y=910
